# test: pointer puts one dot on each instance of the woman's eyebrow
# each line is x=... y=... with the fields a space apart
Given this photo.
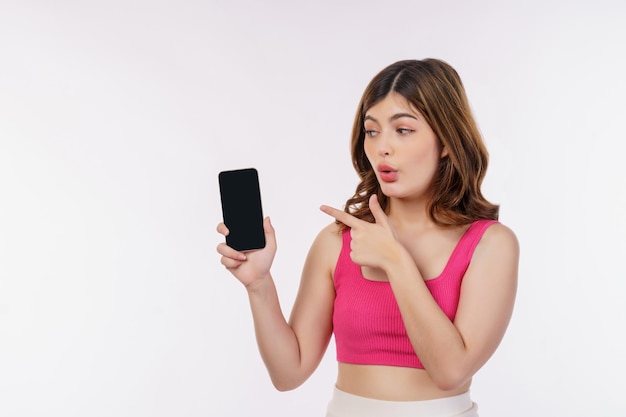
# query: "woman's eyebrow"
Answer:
x=401 y=115
x=392 y=118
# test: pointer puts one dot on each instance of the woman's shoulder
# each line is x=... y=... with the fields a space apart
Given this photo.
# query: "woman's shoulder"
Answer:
x=328 y=241
x=501 y=233
x=330 y=234
x=499 y=240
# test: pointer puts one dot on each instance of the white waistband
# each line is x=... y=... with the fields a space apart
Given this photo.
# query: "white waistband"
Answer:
x=344 y=404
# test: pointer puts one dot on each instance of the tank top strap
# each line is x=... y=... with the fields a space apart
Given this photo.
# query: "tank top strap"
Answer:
x=346 y=239
x=470 y=240
x=344 y=262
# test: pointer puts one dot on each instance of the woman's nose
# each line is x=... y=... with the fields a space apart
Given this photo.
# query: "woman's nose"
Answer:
x=384 y=145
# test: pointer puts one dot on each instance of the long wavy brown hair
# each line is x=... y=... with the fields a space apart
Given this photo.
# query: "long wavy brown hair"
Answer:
x=434 y=88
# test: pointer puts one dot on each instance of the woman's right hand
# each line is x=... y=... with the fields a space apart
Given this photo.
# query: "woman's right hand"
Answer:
x=252 y=266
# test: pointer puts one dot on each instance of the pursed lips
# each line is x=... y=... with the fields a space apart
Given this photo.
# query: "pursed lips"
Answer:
x=387 y=173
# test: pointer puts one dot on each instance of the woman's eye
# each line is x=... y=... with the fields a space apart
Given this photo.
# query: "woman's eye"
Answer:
x=370 y=133
x=404 y=131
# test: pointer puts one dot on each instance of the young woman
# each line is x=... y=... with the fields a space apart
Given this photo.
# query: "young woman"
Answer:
x=416 y=278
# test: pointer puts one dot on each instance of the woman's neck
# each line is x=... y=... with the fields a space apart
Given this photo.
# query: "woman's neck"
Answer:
x=409 y=215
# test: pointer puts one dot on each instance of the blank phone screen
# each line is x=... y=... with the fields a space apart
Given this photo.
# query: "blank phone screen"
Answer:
x=241 y=208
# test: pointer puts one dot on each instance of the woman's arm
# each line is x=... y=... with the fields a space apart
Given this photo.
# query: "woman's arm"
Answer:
x=453 y=352
x=291 y=350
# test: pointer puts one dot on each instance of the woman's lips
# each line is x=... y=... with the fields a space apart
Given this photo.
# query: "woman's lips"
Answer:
x=387 y=174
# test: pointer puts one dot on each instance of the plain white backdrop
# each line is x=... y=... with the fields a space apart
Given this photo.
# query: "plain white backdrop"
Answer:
x=116 y=117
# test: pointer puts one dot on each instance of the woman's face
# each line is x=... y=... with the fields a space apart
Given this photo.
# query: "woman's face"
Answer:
x=401 y=147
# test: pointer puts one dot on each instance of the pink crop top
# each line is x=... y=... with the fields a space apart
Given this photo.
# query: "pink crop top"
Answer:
x=368 y=327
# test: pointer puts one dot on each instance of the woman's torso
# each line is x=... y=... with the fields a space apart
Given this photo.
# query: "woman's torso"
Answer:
x=431 y=251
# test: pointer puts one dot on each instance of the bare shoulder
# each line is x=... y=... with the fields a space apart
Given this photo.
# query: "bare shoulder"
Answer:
x=330 y=233
x=499 y=239
x=328 y=241
x=498 y=252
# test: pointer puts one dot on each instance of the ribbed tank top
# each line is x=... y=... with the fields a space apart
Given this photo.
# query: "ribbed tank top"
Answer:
x=367 y=324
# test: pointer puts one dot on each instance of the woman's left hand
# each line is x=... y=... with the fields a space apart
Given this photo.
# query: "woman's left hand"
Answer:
x=373 y=244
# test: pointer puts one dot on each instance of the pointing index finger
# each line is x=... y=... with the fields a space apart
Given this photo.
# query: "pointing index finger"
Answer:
x=345 y=218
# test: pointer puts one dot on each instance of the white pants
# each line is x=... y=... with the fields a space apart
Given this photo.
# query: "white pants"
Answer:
x=343 y=404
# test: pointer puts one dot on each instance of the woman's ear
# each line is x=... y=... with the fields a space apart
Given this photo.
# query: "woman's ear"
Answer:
x=444 y=151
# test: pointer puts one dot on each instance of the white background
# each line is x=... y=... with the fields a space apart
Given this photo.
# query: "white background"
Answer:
x=116 y=116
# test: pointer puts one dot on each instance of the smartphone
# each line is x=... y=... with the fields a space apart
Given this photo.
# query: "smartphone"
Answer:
x=241 y=208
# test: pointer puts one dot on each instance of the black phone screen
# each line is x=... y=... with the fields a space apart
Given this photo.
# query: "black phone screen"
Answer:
x=241 y=208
